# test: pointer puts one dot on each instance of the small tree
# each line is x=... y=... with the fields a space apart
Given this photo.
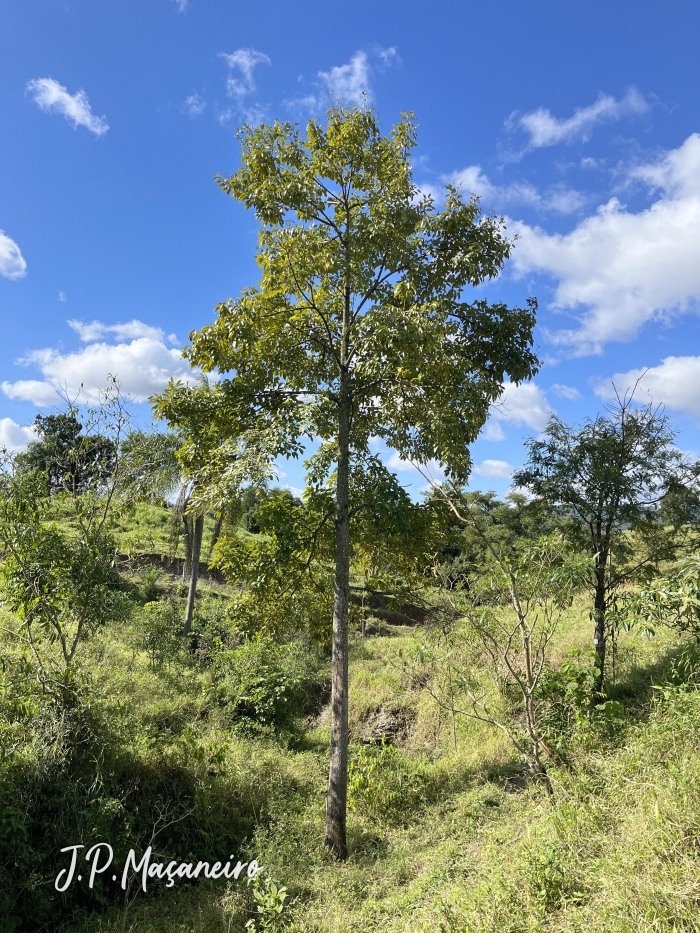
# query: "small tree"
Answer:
x=672 y=600
x=59 y=577
x=507 y=619
x=622 y=491
x=507 y=524
x=357 y=329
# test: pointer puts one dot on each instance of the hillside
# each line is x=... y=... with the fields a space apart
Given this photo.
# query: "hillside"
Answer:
x=221 y=748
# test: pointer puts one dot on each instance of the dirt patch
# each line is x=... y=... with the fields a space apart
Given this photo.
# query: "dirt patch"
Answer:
x=170 y=565
x=390 y=724
x=384 y=607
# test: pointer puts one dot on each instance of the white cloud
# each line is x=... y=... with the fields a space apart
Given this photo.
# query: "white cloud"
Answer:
x=194 y=105
x=563 y=200
x=49 y=95
x=13 y=436
x=396 y=463
x=493 y=431
x=522 y=405
x=181 y=5
x=546 y=130
x=620 y=269
x=349 y=83
x=89 y=333
x=557 y=198
x=387 y=56
x=565 y=391
x=12 y=264
x=676 y=173
x=62 y=296
x=303 y=104
x=141 y=362
x=675 y=383
x=32 y=390
x=432 y=468
x=494 y=469
x=244 y=61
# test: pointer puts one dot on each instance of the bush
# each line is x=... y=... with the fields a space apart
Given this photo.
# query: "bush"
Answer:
x=265 y=686
x=384 y=783
x=161 y=631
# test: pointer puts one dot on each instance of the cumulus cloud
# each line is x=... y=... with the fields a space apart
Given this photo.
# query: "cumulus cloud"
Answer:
x=544 y=129
x=432 y=468
x=13 y=436
x=12 y=264
x=494 y=469
x=522 y=405
x=242 y=64
x=492 y=431
x=557 y=198
x=194 y=105
x=89 y=333
x=618 y=269
x=140 y=361
x=396 y=463
x=568 y=392
x=349 y=83
x=38 y=392
x=52 y=97
x=675 y=382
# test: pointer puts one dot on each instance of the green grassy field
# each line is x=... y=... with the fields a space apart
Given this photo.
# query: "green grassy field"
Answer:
x=446 y=830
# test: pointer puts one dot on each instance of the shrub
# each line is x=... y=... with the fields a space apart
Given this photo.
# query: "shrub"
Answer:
x=265 y=686
x=160 y=633
x=384 y=782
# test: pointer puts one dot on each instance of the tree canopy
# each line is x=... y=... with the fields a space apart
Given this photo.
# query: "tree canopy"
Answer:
x=69 y=458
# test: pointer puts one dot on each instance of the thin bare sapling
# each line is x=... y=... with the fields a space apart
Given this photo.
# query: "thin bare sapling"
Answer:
x=488 y=664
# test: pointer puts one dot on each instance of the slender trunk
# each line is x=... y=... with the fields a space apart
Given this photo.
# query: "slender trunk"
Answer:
x=189 y=538
x=540 y=773
x=600 y=634
x=194 y=573
x=336 y=798
x=216 y=533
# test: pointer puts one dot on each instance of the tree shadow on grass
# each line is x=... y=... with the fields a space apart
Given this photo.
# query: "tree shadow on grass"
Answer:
x=635 y=688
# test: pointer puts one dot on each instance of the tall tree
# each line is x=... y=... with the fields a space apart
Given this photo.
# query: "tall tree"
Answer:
x=357 y=329
x=623 y=491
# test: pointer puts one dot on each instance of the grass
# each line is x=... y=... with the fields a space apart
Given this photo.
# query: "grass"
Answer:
x=446 y=833
x=477 y=848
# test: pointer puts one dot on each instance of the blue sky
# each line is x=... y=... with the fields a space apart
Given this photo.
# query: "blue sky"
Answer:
x=575 y=121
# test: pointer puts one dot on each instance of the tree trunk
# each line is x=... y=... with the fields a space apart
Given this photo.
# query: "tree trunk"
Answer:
x=189 y=540
x=216 y=532
x=194 y=572
x=600 y=634
x=336 y=798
